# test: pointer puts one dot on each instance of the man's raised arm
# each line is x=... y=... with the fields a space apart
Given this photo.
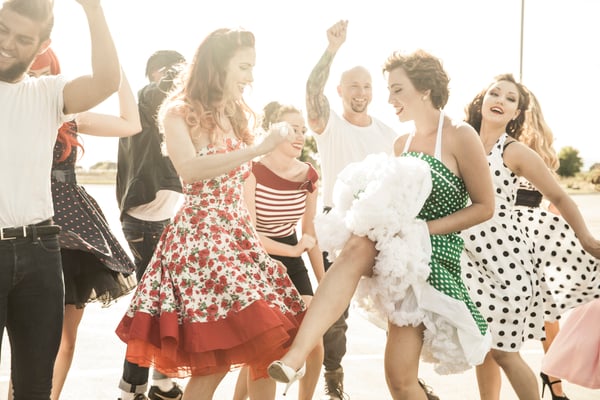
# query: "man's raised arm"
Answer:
x=87 y=91
x=317 y=105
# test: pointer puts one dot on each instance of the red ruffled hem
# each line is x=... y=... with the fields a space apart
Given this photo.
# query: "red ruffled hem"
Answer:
x=254 y=336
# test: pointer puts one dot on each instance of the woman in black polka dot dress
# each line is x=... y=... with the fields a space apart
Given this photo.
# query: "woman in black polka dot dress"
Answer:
x=95 y=266
x=502 y=264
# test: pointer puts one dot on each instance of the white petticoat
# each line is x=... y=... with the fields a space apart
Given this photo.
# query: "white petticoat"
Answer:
x=380 y=198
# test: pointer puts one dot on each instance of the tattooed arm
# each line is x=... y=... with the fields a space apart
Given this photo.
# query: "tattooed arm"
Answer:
x=317 y=105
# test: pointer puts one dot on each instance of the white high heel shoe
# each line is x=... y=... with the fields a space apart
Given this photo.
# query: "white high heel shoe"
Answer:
x=282 y=373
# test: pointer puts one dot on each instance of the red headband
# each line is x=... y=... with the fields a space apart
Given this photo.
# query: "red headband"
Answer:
x=47 y=58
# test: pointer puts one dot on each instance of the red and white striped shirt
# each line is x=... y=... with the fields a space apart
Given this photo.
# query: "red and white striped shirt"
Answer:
x=280 y=203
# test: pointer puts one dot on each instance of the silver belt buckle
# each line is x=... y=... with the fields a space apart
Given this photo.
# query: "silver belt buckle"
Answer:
x=2 y=237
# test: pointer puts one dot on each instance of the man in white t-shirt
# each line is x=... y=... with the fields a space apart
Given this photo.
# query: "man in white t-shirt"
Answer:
x=32 y=109
x=341 y=140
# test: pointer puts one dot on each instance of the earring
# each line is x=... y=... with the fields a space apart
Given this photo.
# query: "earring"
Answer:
x=424 y=98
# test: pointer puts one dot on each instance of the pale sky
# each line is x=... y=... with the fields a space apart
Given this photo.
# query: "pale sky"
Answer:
x=476 y=40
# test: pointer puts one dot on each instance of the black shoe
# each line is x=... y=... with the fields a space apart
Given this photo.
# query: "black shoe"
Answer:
x=428 y=391
x=139 y=396
x=174 y=394
x=546 y=382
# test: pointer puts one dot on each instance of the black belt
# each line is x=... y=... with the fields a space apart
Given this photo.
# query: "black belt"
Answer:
x=528 y=198
x=64 y=175
x=43 y=228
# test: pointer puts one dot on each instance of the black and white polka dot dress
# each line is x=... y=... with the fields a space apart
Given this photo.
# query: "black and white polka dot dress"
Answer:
x=524 y=265
x=95 y=266
x=498 y=266
x=571 y=275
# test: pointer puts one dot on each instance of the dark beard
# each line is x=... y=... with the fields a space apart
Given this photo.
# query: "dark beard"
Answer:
x=15 y=73
x=361 y=109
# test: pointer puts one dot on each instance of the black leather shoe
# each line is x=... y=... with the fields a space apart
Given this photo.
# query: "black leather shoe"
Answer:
x=174 y=394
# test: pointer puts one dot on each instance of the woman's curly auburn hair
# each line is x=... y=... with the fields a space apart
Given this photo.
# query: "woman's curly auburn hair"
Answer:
x=514 y=127
x=425 y=73
x=200 y=91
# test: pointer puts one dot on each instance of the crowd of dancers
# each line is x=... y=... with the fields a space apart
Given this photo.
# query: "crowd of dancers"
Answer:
x=458 y=266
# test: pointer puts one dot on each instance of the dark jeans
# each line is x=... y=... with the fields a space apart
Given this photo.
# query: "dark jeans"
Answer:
x=31 y=309
x=142 y=237
x=334 y=340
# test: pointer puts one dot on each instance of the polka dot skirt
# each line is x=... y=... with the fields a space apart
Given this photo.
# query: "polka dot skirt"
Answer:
x=518 y=273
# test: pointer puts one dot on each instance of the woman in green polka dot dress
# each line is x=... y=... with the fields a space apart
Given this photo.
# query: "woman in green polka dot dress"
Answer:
x=403 y=214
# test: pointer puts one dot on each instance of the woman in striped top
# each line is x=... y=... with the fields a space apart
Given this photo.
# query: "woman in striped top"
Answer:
x=282 y=193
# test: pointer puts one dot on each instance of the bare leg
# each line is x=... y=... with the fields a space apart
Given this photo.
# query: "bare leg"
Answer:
x=261 y=389
x=202 y=387
x=552 y=329
x=489 y=379
x=332 y=296
x=313 y=367
x=241 y=385
x=520 y=376
x=402 y=353
x=66 y=350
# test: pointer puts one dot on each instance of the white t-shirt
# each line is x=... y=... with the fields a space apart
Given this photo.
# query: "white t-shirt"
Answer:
x=31 y=113
x=162 y=207
x=342 y=143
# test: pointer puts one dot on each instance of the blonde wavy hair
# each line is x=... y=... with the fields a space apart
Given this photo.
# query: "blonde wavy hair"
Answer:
x=537 y=134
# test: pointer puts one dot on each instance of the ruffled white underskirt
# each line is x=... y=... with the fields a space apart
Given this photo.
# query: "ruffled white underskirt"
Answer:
x=380 y=198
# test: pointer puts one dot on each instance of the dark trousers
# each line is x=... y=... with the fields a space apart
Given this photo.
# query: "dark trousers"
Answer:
x=31 y=309
x=142 y=237
x=334 y=340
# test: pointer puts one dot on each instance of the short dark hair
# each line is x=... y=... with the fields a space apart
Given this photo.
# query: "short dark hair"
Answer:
x=161 y=59
x=425 y=72
x=41 y=11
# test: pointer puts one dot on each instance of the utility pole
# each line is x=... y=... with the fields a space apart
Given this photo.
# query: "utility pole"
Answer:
x=521 y=48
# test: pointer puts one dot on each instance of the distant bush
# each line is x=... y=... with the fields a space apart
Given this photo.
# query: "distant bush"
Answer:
x=570 y=162
x=104 y=166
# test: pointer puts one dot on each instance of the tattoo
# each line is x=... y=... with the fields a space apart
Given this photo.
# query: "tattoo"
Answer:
x=317 y=105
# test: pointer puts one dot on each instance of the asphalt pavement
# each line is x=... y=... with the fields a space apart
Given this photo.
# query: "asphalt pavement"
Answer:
x=97 y=365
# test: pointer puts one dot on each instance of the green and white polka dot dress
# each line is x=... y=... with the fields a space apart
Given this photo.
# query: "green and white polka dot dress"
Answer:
x=416 y=277
x=448 y=195
x=450 y=314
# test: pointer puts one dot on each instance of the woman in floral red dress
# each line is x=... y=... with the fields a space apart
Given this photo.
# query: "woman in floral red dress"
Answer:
x=212 y=299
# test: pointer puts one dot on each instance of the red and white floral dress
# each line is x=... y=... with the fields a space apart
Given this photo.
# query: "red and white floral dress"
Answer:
x=211 y=298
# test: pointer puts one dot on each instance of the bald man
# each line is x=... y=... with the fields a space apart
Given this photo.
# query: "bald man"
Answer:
x=341 y=140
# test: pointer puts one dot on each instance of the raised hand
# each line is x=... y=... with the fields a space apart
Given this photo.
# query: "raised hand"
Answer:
x=336 y=35
x=278 y=133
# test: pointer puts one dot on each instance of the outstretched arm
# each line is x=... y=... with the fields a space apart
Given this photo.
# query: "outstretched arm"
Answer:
x=192 y=167
x=317 y=105
x=87 y=91
x=126 y=124
x=527 y=163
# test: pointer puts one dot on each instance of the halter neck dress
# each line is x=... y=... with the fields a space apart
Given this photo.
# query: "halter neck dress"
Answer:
x=212 y=299
x=524 y=265
x=417 y=277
